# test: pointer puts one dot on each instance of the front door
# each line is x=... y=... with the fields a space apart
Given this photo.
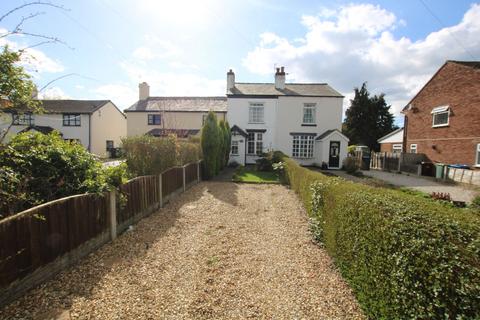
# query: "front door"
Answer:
x=334 y=155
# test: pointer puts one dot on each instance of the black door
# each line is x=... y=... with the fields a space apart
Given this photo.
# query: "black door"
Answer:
x=334 y=157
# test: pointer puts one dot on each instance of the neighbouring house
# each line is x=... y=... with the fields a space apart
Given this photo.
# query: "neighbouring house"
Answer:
x=160 y=116
x=443 y=118
x=97 y=124
x=303 y=120
x=392 y=142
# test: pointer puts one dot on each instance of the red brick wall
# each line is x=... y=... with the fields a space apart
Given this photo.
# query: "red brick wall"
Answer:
x=458 y=86
x=387 y=147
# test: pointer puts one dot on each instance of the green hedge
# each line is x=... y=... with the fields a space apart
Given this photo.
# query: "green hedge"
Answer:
x=405 y=257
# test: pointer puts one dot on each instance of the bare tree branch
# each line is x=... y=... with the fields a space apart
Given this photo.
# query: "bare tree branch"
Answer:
x=33 y=3
x=56 y=79
x=18 y=27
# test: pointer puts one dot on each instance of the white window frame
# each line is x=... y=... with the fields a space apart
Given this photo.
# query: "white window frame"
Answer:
x=256 y=112
x=302 y=146
x=477 y=159
x=234 y=147
x=23 y=119
x=439 y=111
x=397 y=147
x=257 y=142
x=413 y=147
x=309 y=106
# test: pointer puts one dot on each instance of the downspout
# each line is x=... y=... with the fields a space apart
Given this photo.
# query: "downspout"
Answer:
x=89 y=132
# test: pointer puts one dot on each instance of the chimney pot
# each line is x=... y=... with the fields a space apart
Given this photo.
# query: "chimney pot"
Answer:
x=280 y=79
x=230 y=80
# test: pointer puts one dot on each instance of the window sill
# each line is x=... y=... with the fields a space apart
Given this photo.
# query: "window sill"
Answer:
x=440 y=126
x=303 y=158
x=256 y=123
x=309 y=124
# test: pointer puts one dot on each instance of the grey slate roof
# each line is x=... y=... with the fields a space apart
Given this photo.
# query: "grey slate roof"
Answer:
x=72 y=106
x=291 y=89
x=186 y=104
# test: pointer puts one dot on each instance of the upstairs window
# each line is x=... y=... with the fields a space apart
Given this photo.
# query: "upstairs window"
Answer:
x=440 y=116
x=309 y=113
x=154 y=119
x=302 y=146
x=25 y=119
x=71 y=120
x=255 y=113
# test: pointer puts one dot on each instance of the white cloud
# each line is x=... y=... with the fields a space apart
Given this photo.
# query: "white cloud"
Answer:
x=354 y=43
x=53 y=93
x=33 y=60
x=121 y=94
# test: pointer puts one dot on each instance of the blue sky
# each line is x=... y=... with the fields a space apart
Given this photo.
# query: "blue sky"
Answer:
x=185 y=47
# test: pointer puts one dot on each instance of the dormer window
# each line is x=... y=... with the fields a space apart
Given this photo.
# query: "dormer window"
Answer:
x=309 y=113
x=440 y=116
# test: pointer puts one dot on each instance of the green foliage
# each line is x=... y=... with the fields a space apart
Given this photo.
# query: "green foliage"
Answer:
x=367 y=119
x=228 y=141
x=148 y=155
x=37 y=168
x=211 y=146
x=476 y=203
x=265 y=163
x=223 y=144
x=351 y=149
x=405 y=257
x=350 y=164
x=250 y=175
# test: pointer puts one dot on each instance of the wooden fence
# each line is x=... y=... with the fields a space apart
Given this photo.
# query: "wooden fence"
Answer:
x=399 y=162
x=38 y=243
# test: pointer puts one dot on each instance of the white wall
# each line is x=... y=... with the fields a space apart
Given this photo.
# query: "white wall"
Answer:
x=324 y=146
x=240 y=158
x=56 y=122
x=108 y=123
x=396 y=138
x=237 y=114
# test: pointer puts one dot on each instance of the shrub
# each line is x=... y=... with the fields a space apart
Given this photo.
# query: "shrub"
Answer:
x=37 y=168
x=351 y=149
x=147 y=155
x=350 y=164
x=212 y=146
x=404 y=256
x=228 y=141
x=475 y=205
x=265 y=163
x=188 y=152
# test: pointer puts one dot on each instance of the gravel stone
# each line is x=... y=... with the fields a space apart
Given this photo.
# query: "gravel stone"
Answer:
x=219 y=251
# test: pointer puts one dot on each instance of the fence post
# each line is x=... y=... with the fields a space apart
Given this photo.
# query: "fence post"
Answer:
x=400 y=157
x=160 y=191
x=184 y=186
x=112 y=214
x=198 y=170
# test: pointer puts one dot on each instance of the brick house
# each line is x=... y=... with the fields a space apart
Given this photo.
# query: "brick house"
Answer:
x=443 y=118
x=392 y=142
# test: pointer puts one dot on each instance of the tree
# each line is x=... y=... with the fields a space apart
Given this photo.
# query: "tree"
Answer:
x=367 y=119
x=228 y=141
x=222 y=145
x=210 y=145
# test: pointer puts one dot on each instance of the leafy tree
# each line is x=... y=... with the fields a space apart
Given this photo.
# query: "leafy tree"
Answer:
x=37 y=168
x=210 y=142
x=222 y=145
x=367 y=119
x=228 y=141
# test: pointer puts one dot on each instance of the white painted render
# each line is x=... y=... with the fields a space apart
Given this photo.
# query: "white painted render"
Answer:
x=56 y=122
x=240 y=158
x=283 y=116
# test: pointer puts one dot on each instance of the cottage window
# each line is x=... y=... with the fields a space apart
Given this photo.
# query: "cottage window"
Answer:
x=256 y=113
x=440 y=116
x=413 y=148
x=71 y=120
x=477 y=162
x=309 y=113
x=255 y=143
x=110 y=145
x=302 y=146
x=25 y=119
x=234 y=149
x=154 y=119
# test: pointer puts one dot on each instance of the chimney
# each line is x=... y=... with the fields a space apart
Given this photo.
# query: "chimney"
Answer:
x=280 y=78
x=230 y=80
x=143 y=91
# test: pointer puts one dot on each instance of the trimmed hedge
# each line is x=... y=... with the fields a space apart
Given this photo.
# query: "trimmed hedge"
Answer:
x=405 y=257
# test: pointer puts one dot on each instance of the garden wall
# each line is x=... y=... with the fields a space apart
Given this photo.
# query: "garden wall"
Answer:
x=38 y=243
x=404 y=256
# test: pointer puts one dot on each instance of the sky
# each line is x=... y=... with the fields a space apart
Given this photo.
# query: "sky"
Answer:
x=185 y=47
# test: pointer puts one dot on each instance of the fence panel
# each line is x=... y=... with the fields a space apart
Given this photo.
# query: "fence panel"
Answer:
x=141 y=194
x=172 y=181
x=36 y=237
x=191 y=171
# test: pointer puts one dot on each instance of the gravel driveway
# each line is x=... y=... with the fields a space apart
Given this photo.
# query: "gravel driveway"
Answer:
x=219 y=251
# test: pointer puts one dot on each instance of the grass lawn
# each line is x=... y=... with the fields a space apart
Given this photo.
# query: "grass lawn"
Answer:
x=250 y=175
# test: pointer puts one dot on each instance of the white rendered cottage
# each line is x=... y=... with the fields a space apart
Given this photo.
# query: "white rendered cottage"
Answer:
x=303 y=120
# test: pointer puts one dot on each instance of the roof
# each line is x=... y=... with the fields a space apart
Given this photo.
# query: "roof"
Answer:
x=237 y=129
x=180 y=133
x=329 y=132
x=74 y=106
x=291 y=89
x=41 y=129
x=471 y=64
x=182 y=104
x=389 y=134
